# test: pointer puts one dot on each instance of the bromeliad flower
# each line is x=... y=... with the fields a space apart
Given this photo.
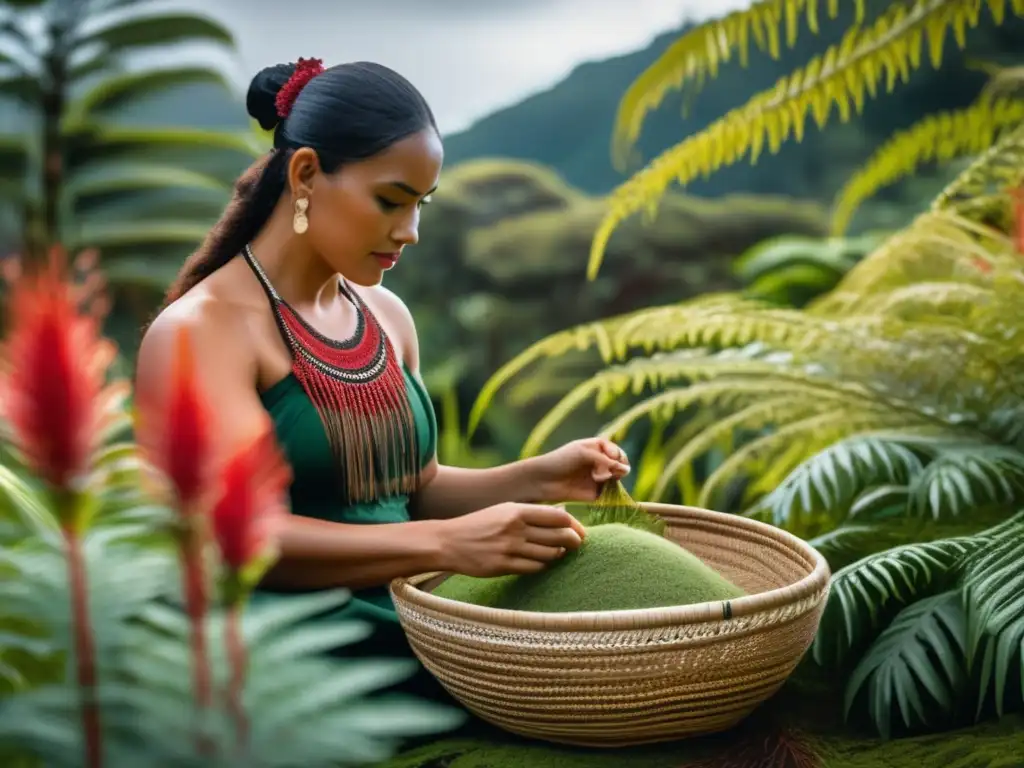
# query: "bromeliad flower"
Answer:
x=250 y=507
x=176 y=431
x=52 y=381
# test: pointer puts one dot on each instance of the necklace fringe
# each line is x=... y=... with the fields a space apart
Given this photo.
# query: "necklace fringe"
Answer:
x=359 y=391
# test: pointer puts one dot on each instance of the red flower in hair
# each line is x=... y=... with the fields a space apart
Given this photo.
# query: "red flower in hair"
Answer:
x=305 y=70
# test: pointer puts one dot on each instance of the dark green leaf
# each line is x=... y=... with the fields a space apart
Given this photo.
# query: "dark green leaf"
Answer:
x=161 y=29
x=95 y=143
x=137 y=235
x=112 y=93
x=915 y=666
x=23 y=88
x=129 y=178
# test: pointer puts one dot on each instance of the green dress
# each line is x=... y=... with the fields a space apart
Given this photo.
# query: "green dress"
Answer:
x=320 y=488
x=313 y=490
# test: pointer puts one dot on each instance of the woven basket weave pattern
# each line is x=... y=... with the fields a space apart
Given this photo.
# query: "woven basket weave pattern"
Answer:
x=629 y=677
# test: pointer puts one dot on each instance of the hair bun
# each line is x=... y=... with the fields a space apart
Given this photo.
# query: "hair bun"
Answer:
x=262 y=96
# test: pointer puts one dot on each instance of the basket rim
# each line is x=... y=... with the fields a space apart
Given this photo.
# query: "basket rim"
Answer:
x=407 y=590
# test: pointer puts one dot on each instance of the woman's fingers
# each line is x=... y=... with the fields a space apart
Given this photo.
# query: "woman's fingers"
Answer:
x=538 y=552
x=565 y=538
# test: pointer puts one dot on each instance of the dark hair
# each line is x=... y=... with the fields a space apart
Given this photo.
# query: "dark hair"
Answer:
x=346 y=113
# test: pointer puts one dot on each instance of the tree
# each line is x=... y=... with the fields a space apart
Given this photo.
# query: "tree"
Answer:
x=90 y=173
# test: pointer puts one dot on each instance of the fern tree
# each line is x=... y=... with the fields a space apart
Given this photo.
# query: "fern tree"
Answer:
x=882 y=421
x=84 y=174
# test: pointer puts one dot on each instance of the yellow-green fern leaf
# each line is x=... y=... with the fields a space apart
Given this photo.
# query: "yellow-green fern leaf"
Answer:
x=812 y=430
x=699 y=53
x=937 y=138
x=761 y=414
x=848 y=72
x=1001 y=166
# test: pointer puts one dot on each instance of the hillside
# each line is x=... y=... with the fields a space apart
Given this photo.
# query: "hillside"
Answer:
x=568 y=127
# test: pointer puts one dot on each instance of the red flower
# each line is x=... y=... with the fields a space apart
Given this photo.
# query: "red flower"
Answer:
x=252 y=503
x=177 y=433
x=54 y=369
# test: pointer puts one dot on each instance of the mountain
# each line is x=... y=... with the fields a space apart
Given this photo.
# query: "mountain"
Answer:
x=569 y=126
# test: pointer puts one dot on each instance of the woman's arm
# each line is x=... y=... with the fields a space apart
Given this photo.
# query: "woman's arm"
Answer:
x=447 y=492
x=313 y=553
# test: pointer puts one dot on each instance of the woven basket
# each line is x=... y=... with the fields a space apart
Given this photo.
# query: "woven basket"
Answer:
x=620 y=678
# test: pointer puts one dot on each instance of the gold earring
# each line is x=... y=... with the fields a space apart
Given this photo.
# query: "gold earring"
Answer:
x=300 y=223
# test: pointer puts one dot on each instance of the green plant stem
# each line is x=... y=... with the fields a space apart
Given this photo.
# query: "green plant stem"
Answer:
x=85 y=651
x=196 y=601
x=237 y=662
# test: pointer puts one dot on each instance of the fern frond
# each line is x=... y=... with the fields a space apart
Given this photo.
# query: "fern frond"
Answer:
x=1004 y=81
x=936 y=246
x=1001 y=166
x=994 y=597
x=580 y=338
x=774 y=410
x=964 y=477
x=934 y=301
x=865 y=595
x=916 y=664
x=937 y=138
x=811 y=432
x=698 y=54
x=836 y=476
x=889 y=48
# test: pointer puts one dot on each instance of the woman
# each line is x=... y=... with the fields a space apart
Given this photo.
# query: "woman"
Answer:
x=287 y=315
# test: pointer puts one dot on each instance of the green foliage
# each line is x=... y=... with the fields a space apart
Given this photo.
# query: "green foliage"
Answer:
x=870 y=57
x=90 y=178
x=98 y=649
x=790 y=270
x=881 y=422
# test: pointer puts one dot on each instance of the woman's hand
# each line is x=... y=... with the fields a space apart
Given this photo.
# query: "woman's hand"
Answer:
x=578 y=470
x=506 y=539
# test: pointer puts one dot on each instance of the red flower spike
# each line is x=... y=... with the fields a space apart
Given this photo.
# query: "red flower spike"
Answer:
x=251 y=506
x=54 y=368
x=305 y=70
x=177 y=434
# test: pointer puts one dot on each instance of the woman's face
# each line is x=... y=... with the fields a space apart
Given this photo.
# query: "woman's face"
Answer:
x=363 y=215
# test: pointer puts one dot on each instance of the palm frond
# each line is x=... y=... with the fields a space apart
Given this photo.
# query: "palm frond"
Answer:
x=836 y=476
x=866 y=595
x=699 y=53
x=887 y=50
x=915 y=666
x=937 y=138
x=963 y=477
x=994 y=598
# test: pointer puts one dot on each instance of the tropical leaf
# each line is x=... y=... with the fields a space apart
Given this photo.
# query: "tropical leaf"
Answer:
x=700 y=53
x=866 y=595
x=885 y=51
x=835 y=477
x=114 y=92
x=915 y=666
x=964 y=477
x=115 y=179
x=155 y=29
x=134 y=235
x=937 y=138
x=94 y=142
x=994 y=598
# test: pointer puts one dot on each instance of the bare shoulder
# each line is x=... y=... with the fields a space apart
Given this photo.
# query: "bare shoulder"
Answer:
x=397 y=319
x=219 y=324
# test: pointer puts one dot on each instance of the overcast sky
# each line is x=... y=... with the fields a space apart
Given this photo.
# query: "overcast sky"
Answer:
x=468 y=57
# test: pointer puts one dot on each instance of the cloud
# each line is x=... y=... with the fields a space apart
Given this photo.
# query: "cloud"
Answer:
x=469 y=57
